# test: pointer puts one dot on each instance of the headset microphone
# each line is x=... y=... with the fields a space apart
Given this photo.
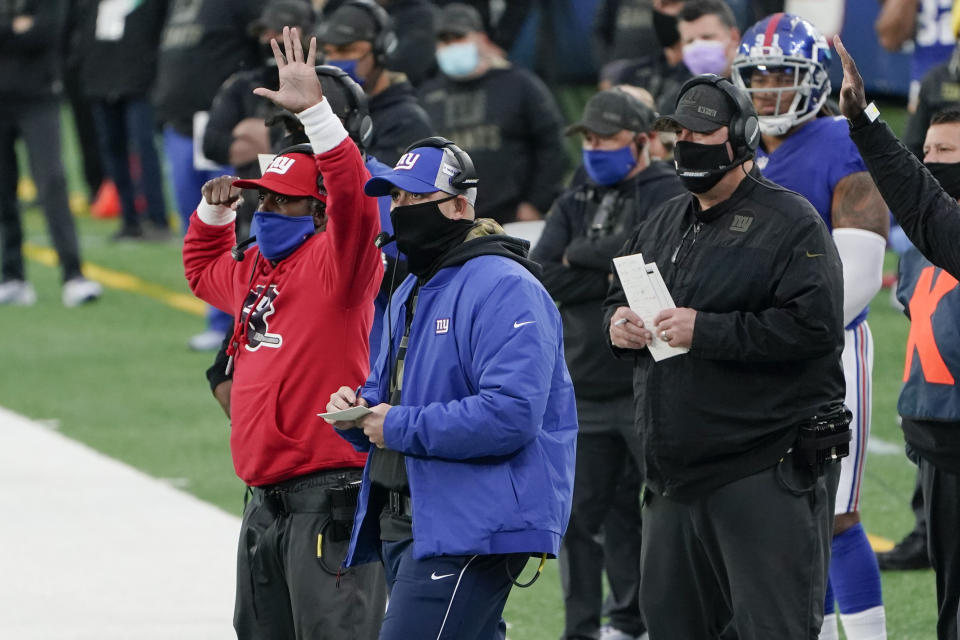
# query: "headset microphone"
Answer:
x=383 y=238
x=237 y=250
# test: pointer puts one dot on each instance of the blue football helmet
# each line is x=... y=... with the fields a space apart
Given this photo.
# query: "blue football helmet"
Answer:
x=786 y=44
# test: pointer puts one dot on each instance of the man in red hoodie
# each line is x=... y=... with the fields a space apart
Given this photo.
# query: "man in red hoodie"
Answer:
x=303 y=304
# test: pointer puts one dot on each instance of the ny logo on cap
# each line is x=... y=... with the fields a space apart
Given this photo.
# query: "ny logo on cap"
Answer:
x=407 y=161
x=280 y=164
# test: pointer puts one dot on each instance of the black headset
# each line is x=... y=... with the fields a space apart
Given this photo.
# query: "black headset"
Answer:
x=744 y=126
x=385 y=41
x=466 y=176
x=359 y=124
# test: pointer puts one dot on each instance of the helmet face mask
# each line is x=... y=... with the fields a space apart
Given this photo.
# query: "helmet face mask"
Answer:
x=783 y=54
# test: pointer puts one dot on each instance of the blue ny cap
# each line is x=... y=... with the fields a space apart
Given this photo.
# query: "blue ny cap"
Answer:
x=421 y=170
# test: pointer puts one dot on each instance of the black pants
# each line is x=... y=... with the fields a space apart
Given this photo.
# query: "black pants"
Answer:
x=604 y=528
x=38 y=124
x=122 y=124
x=941 y=501
x=747 y=561
x=287 y=565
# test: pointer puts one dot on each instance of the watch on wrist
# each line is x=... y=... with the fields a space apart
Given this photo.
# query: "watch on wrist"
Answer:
x=865 y=117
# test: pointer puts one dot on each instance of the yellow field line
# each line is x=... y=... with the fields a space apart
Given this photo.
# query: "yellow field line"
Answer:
x=122 y=281
x=879 y=544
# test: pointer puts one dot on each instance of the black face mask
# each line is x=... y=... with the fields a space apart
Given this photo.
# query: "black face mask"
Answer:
x=665 y=28
x=948 y=175
x=424 y=234
x=701 y=166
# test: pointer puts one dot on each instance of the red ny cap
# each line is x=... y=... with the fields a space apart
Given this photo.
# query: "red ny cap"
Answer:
x=292 y=174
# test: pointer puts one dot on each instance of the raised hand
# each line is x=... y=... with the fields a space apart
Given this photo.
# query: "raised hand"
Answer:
x=853 y=99
x=299 y=85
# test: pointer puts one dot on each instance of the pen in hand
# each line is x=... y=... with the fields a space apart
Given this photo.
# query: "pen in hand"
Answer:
x=356 y=396
x=620 y=322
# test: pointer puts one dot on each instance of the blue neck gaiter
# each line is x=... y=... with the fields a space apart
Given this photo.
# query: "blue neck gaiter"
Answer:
x=607 y=167
x=278 y=235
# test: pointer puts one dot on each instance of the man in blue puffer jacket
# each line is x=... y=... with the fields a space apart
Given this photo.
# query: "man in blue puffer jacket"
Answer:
x=473 y=421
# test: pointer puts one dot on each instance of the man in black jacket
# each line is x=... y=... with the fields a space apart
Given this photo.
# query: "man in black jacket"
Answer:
x=504 y=117
x=929 y=403
x=737 y=521
x=586 y=227
x=31 y=57
x=118 y=64
x=359 y=38
x=927 y=213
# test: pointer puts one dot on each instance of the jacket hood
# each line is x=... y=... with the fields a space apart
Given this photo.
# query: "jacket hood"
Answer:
x=487 y=238
x=398 y=90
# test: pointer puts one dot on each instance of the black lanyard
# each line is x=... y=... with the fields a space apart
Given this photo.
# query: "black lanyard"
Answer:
x=396 y=380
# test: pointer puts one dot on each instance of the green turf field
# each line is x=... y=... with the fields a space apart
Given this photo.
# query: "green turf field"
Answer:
x=117 y=376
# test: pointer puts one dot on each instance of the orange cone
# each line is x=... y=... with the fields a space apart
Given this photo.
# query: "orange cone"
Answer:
x=107 y=202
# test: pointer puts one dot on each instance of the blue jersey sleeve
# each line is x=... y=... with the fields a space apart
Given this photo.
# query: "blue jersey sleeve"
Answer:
x=845 y=158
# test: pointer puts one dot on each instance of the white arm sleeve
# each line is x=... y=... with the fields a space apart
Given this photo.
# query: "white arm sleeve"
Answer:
x=861 y=253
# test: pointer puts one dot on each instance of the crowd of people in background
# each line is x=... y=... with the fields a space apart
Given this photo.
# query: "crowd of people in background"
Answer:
x=705 y=112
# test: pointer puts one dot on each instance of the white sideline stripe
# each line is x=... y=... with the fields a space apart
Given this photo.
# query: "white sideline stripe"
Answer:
x=884 y=448
x=93 y=549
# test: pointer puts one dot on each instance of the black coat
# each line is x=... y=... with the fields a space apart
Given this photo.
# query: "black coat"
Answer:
x=509 y=123
x=398 y=120
x=764 y=276
x=31 y=62
x=573 y=230
x=112 y=68
x=929 y=217
x=203 y=43
x=415 y=55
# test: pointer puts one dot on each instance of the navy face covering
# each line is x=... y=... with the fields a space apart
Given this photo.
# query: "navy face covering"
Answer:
x=349 y=67
x=607 y=167
x=278 y=235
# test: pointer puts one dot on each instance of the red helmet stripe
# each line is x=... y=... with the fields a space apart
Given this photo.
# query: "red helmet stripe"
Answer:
x=771 y=28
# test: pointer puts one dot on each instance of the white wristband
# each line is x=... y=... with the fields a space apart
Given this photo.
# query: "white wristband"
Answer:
x=215 y=214
x=322 y=127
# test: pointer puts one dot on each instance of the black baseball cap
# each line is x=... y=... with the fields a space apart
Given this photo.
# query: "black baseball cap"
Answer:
x=283 y=13
x=702 y=108
x=347 y=24
x=457 y=19
x=613 y=110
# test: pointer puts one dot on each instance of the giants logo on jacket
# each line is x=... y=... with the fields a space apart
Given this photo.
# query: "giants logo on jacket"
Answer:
x=256 y=318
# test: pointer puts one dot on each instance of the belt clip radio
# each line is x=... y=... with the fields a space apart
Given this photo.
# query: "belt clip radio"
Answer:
x=343 y=507
x=825 y=438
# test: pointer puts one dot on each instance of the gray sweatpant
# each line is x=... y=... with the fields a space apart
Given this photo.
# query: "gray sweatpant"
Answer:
x=748 y=560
